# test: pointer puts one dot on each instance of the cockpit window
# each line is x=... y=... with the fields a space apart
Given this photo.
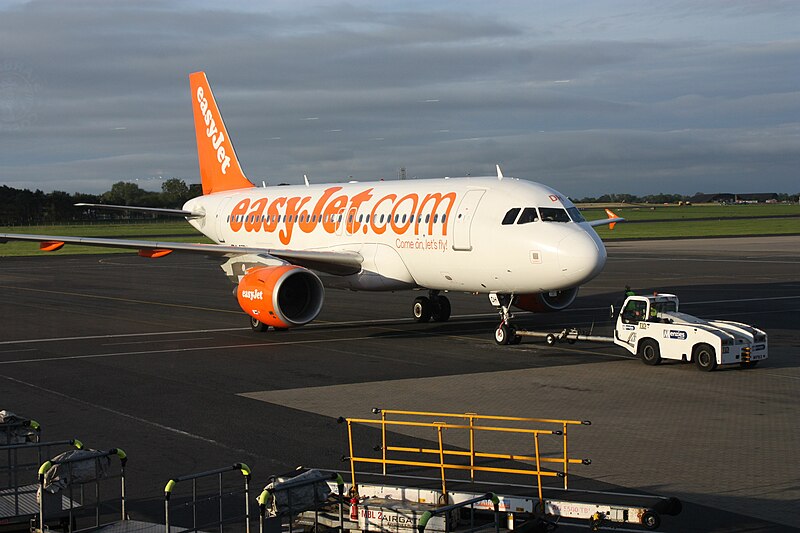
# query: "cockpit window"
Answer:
x=511 y=216
x=575 y=215
x=554 y=214
x=529 y=214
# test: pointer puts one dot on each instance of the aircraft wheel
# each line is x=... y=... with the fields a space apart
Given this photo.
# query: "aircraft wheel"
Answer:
x=704 y=357
x=651 y=520
x=503 y=334
x=441 y=311
x=422 y=309
x=257 y=325
x=649 y=352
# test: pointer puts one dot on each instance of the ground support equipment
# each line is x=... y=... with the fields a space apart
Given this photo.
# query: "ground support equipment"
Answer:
x=18 y=468
x=375 y=495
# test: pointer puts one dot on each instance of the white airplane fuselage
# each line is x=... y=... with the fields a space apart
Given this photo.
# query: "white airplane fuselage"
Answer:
x=439 y=234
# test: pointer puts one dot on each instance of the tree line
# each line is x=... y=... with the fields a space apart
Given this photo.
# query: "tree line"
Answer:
x=660 y=198
x=23 y=207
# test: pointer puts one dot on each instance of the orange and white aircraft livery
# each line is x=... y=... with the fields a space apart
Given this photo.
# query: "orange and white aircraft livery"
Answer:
x=520 y=242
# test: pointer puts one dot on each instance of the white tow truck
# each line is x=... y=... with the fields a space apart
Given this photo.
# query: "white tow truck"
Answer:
x=652 y=328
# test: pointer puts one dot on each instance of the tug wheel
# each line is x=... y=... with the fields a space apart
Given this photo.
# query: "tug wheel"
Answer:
x=704 y=357
x=649 y=352
x=550 y=339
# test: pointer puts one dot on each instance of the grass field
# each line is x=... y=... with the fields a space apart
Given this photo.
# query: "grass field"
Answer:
x=655 y=222
x=646 y=222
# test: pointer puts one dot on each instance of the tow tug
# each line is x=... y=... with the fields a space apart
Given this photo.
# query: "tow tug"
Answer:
x=652 y=328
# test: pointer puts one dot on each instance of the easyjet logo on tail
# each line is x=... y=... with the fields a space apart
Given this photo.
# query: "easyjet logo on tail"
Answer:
x=211 y=131
x=219 y=168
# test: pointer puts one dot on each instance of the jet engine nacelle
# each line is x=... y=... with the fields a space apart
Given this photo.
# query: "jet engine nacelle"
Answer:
x=546 y=302
x=284 y=296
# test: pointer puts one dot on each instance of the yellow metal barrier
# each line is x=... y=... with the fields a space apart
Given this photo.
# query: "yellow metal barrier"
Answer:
x=471 y=425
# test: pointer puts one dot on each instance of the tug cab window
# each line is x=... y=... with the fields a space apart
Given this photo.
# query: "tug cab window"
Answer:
x=634 y=312
x=554 y=214
x=665 y=307
x=528 y=215
x=511 y=216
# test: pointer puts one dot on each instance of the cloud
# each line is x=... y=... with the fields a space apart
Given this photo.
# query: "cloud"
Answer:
x=654 y=102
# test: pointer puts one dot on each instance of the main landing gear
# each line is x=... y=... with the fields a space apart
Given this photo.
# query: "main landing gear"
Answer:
x=432 y=307
x=505 y=332
x=259 y=327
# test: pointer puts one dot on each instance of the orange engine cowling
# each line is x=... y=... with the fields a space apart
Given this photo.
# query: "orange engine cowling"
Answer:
x=546 y=302
x=283 y=296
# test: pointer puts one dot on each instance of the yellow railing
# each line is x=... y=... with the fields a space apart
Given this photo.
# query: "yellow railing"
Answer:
x=472 y=425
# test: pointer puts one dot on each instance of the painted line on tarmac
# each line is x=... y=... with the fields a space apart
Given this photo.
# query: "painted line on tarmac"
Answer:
x=117 y=299
x=129 y=416
x=653 y=257
x=152 y=341
x=362 y=322
x=121 y=336
x=195 y=349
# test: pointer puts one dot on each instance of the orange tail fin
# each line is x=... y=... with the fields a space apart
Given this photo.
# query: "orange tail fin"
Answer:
x=219 y=167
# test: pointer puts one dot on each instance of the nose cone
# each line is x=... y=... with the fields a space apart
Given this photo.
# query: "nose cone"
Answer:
x=581 y=256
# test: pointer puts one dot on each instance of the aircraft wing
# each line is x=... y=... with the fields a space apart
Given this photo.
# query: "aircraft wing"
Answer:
x=338 y=263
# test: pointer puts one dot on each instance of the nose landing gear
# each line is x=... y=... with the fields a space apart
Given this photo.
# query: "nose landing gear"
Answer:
x=432 y=307
x=505 y=332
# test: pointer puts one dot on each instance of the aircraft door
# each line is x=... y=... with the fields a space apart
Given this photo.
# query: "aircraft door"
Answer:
x=350 y=226
x=222 y=218
x=340 y=222
x=462 y=223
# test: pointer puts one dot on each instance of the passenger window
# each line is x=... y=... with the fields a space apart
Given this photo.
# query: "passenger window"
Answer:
x=554 y=214
x=511 y=216
x=528 y=215
x=444 y=217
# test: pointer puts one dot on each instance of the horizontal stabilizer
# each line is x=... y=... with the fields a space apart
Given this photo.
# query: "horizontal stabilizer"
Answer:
x=154 y=210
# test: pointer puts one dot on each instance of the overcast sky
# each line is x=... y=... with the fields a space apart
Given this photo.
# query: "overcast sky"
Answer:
x=587 y=97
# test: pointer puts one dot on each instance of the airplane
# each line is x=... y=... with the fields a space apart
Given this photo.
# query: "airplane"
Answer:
x=522 y=243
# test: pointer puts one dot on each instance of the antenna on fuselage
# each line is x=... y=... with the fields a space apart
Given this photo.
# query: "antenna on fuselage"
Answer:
x=499 y=173
x=305 y=178
x=264 y=183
